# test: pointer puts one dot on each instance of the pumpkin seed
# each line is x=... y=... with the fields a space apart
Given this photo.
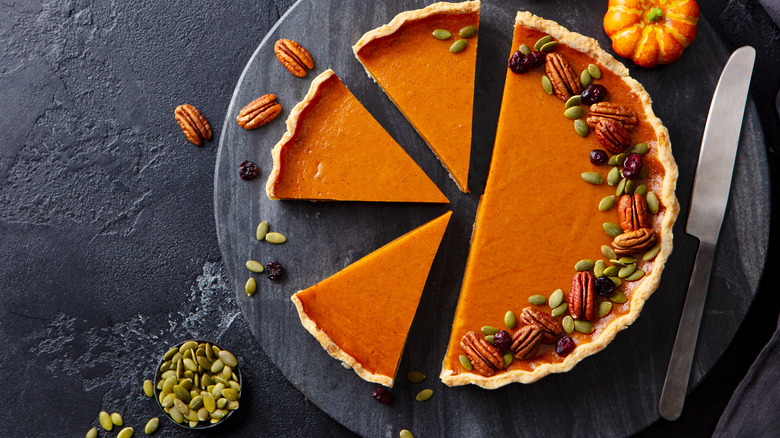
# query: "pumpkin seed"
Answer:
x=583 y=327
x=618 y=297
x=489 y=330
x=548 y=47
x=547 y=85
x=189 y=345
x=626 y=260
x=610 y=271
x=228 y=358
x=584 y=265
x=442 y=34
x=176 y=415
x=568 y=324
x=581 y=128
x=542 y=41
x=608 y=252
x=606 y=203
x=629 y=186
x=250 y=287
x=612 y=160
x=218 y=414
x=181 y=394
x=262 y=230
x=510 y=320
x=405 y=434
x=203 y=414
x=560 y=310
x=617 y=262
x=507 y=359
x=231 y=405
x=651 y=253
x=196 y=403
x=585 y=78
x=217 y=390
x=594 y=71
x=652 y=203
x=254 y=266
x=126 y=433
x=604 y=308
x=230 y=394
x=190 y=365
x=168 y=400
x=643 y=173
x=458 y=46
x=640 y=148
x=92 y=433
x=574 y=100
x=636 y=275
x=116 y=419
x=221 y=403
x=415 y=376
x=592 y=178
x=524 y=49
x=209 y=402
x=468 y=31
x=152 y=425
x=598 y=268
x=105 y=420
x=491 y=339
x=574 y=112
x=276 y=238
x=613 y=176
x=612 y=230
x=178 y=404
x=217 y=366
x=616 y=280
x=148 y=388
x=620 y=158
x=425 y=394
x=465 y=363
x=537 y=300
x=621 y=187
x=556 y=298
x=640 y=190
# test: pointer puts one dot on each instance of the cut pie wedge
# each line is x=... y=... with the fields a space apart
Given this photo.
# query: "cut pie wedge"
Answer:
x=432 y=86
x=362 y=314
x=335 y=150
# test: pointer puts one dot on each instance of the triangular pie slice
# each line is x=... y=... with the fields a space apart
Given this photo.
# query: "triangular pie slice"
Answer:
x=432 y=86
x=550 y=217
x=362 y=314
x=335 y=150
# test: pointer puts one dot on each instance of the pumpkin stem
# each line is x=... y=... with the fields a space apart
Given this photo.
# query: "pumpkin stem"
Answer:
x=655 y=14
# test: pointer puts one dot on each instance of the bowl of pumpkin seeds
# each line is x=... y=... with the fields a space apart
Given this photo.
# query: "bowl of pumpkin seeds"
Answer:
x=198 y=384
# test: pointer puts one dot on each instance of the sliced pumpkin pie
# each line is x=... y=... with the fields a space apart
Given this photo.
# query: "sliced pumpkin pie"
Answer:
x=335 y=150
x=575 y=224
x=362 y=314
x=425 y=61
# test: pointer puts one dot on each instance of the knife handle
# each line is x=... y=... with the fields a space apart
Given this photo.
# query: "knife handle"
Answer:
x=676 y=383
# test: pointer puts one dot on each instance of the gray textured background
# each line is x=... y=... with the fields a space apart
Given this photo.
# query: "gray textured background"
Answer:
x=108 y=247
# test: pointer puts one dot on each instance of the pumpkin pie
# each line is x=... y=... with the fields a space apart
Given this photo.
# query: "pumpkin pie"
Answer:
x=341 y=311
x=430 y=78
x=335 y=150
x=567 y=244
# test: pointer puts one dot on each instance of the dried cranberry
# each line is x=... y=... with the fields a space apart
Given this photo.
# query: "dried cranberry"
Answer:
x=502 y=340
x=632 y=167
x=604 y=286
x=598 y=157
x=274 y=270
x=593 y=93
x=564 y=346
x=532 y=60
x=247 y=170
x=383 y=396
x=515 y=60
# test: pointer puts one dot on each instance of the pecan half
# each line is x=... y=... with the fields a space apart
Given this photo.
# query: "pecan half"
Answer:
x=525 y=341
x=612 y=135
x=564 y=81
x=484 y=357
x=634 y=241
x=259 y=112
x=293 y=57
x=632 y=212
x=192 y=123
x=551 y=328
x=582 y=298
x=614 y=111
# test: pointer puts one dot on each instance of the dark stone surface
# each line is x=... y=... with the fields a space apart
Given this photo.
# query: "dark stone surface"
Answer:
x=109 y=246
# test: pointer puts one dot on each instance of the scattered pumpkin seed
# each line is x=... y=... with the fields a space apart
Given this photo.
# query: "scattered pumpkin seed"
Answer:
x=556 y=298
x=640 y=190
x=616 y=280
x=442 y=34
x=585 y=78
x=254 y=266
x=594 y=71
x=465 y=362
x=626 y=260
x=560 y=310
x=606 y=203
x=425 y=394
x=524 y=49
x=584 y=265
x=105 y=420
x=652 y=203
x=508 y=359
x=262 y=230
x=116 y=419
x=547 y=85
x=250 y=287
x=612 y=230
x=537 y=300
x=617 y=262
x=613 y=176
x=612 y=160
x=542 y=41
x=148 y=388
x=604 y=308
x=491 y=339
x=621 y=187
x=629 y=186
x=415 y=376
x=608 y=252
x=548 y=47
x=620 y=158
x=458 y=46
x=574 y=100
x=640 y=148
x=583 y=327
x=611 y=271
x=636 y=275
x=568 y=324
x=574 y=112
x=651 y=253
x=92 y=433
x=598 y=268
x=643 y=173
x=592 y=178
x=126 y=433
x=581 y=128
x=468 y=31
x=618 y=297
x=275 y=238
x=405 y=434
x=152 y=425
x=510 y=320
x=489 y=330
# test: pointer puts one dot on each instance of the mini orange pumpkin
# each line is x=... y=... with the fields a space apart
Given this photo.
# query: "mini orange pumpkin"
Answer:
x=651 y=32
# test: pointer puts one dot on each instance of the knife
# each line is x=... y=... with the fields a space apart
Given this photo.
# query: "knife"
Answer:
x=708 y=205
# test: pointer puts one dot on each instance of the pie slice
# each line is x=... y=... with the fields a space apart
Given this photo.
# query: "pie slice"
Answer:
x=342 y=311
x=555 y=224
x=335 y=150
x=432 y=86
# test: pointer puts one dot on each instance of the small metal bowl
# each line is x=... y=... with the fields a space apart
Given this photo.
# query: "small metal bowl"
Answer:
x=236 y=373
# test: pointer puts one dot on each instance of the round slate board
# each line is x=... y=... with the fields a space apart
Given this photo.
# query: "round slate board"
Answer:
x=612 y=393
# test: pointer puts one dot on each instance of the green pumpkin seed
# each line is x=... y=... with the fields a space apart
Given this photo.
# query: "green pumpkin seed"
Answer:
x=574 y=100
x=640 y=190
x=604 y=308
x=196 y=403
x=581 y=128
x=234 y=385
x=620 y=158
x=181 y=393
x=105 y=420
x=189 y=345
x=560 y=310
x=612 y=160
x=606 y=203
x=425 y=394
x=126 y=433
x=489 y=330
x=568 y=324
x=583 y=327
x=636 y=275
x=254 y=266
x=209 y=402
x=592 y=178
x=537 y=300
x=585 y=78
x=491 y=339
x=218 y=414
x=176 y=415
x=629 y=188
x=415 y=376
x=152 y=425
x=203 y=414
x=116 y=419
x=405 y=434
x=465 y=363
x=643 y=173
x=178 y=404
x=204 y=363
x=508 y=359
x=190 y=365
x=611 y=271
x=542 y=41
x=612 y=230
x=227 y=372
x=217 y=390
x=168 y=400
x=221 y=403
x=652 y=203
x=510 y=320
x=547 y=85
x=616 y=280
x=228 y=358
x=524 y=49
x=584 y=265
x=621 y=187
x=613 y=176
x=594 y=71
x=442 y=34
x=275 y=238
x=608 y=252
x=468 y=31
x=548 y=47
x=458 y=46
x=574 y=112
x=651 y=253
x=640 y=148
x=217 y=366
x=230 y=394
x=617 y=262
x=262 y=230
x=231 y=405
x=148 y=388
x=556 y=298
x=626 y=260
x=598 y=268
x=618 y=297
x=92 y=433
x=250 y=287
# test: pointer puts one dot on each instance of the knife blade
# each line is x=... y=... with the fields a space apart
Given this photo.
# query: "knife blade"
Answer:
x=708 y=206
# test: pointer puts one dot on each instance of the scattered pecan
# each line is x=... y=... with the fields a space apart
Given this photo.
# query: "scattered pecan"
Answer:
x=614 y=111
x=551 y=328
x=582 y=298
x=612 y=135
x=632 y=212
x=634 y=241
x=484 y=357
x=192 y=123
x=259 y=112
x=564 y=81
x=293 y=57
x=525 y=341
